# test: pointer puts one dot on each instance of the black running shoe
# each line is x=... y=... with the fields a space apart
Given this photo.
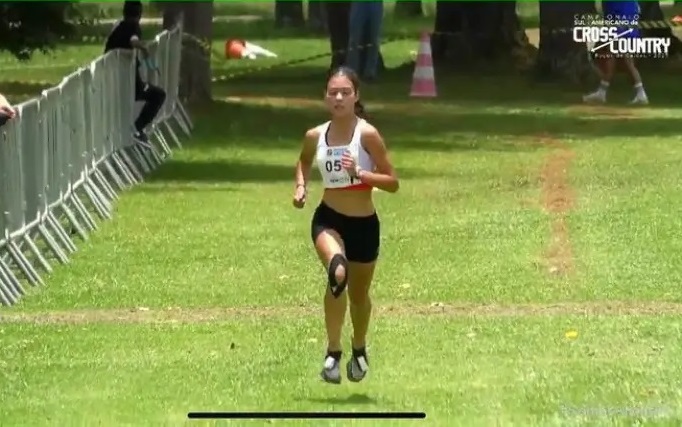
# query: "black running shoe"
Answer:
x=141 y=138
x=358 y=365
x=331 y=371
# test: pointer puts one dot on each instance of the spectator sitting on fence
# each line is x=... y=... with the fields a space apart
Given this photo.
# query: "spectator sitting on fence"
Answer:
x=6 y=110
x=127 y=34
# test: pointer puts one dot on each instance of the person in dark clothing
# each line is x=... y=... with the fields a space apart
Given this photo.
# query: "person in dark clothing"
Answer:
x=365 y=37
x=127 y=34
x=338 y=17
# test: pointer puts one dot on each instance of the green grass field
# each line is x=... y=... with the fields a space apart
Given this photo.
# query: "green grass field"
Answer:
x=529 y=273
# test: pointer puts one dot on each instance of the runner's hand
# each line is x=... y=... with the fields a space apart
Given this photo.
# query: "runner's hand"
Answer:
x=299 y=196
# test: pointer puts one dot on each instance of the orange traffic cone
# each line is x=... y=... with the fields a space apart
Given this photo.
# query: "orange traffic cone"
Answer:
x=423 y=79
x=234 y=49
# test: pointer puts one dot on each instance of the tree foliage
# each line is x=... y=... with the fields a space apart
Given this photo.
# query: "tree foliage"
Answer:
x=26 y=27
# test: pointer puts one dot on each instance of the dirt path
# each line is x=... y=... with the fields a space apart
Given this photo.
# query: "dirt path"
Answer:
x=205 y=315
x=557 y=199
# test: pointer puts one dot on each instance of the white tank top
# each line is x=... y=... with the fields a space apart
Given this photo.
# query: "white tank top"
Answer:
x=328 y=159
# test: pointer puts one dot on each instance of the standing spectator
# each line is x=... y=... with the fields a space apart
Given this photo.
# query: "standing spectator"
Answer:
x=338 y=14
x=623 y=10
x=365 y=24
x=127 y=34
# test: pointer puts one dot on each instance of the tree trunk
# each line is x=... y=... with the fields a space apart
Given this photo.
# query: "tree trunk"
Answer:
x=317 y=16
x=469 y=32
x=651 y=11
x=289 y=14
x=409 y=8
x=195 y=74
x=559 y=56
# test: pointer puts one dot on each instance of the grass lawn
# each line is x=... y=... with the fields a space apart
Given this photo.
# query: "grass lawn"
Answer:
x=528 y=276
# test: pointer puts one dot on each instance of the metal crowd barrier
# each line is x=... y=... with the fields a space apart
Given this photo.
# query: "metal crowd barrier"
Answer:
x=69 y=152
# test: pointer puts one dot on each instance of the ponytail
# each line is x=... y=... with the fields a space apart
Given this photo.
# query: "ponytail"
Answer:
x=360 y=110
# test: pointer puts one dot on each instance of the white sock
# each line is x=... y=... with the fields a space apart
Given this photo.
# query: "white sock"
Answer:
x=639 y=89
x=603 y=87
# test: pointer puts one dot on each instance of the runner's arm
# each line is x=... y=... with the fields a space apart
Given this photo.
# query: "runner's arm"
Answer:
x=305 y=158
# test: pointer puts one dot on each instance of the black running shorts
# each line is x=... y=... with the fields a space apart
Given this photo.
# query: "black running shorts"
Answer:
x=360 y=235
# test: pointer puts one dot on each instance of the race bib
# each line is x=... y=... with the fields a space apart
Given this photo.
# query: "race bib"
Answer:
x=333 y=173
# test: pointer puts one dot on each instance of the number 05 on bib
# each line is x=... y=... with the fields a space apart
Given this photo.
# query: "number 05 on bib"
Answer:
x=328 y=159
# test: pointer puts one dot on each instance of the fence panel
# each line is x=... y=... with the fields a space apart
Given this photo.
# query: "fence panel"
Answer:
x=173 y=73
x=162 y=62
x=14 y=202
x=102 y=141
x=125 y=92
x=35 y=159
x=12 y=180
x=55 y=170
x=73 y=142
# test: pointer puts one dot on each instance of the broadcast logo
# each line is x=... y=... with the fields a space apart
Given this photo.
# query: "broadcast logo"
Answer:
x=619 y=42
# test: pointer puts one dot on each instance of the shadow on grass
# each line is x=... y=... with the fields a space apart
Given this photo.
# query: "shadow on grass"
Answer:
x=266 y=127
x=454 y=127
x=492 y=86
x=222 y=171
x=353 y=399
x=170 y=186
